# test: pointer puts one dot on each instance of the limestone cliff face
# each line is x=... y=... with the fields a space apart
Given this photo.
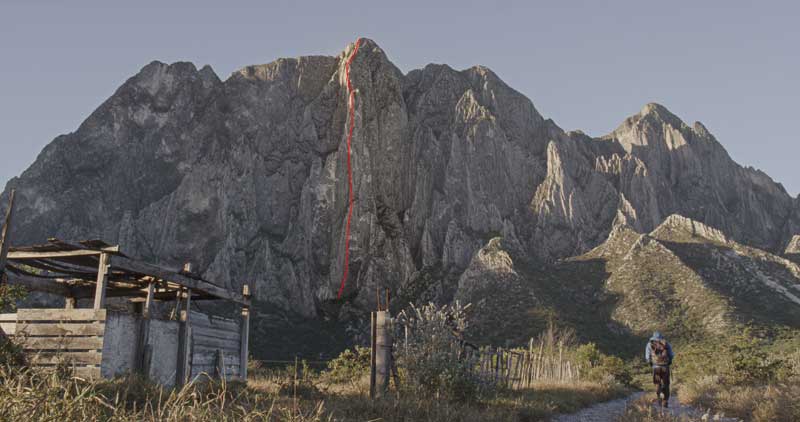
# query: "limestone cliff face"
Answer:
x=247 y=177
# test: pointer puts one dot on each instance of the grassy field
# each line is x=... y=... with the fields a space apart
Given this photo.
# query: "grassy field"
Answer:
x=270 y=396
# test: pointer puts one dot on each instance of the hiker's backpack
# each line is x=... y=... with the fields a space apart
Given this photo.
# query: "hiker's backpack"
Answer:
x=660 y=354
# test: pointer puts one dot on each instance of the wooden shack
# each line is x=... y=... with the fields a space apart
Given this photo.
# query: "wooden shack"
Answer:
x=96 y=340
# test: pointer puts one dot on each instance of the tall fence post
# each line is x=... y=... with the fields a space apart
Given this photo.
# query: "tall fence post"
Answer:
x=245 y=335
x=381 y=354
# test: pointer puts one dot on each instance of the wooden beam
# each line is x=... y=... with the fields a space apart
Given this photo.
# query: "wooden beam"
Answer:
x=204 y=286
x=5 y=233
x=83 y=245
x=17 y=255
x=61 y=328
x=39 y=314
x=60 y=343
x=102 y=280
x=40 y=284
x=86 y=292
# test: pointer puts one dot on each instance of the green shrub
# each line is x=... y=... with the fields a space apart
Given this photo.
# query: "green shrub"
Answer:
x=588 y=355
x=9 y=295
x=350 y=366
x=751 y=363
x=432 y=360
x=10 y=353
x=597 y=366
x=613 y=366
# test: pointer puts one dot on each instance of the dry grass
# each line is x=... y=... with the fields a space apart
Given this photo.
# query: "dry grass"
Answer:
x=54 y=396
x=643 y=410
x=29 y=395
x=773 y=402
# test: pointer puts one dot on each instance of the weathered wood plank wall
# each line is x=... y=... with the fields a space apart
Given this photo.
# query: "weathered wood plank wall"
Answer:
x=53 y=336
x=215 y=340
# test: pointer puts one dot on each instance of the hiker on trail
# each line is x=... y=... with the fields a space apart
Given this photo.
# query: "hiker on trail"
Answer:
x=658 y=353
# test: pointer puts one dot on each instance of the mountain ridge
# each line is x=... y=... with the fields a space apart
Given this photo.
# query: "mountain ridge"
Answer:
x=243 y=177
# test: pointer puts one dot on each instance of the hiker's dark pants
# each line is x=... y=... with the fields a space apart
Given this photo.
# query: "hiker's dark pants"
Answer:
x=661 y=380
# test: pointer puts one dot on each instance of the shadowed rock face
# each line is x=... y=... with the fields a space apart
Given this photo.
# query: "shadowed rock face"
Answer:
x=247 y=177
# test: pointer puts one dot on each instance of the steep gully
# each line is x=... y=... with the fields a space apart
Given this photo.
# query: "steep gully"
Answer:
x=352 y=107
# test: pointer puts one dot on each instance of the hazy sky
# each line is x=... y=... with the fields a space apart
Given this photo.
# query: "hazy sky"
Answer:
x=587 y=65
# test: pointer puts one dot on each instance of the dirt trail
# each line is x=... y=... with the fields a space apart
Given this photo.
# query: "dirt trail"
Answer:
x=610 y=411
x=601 y=412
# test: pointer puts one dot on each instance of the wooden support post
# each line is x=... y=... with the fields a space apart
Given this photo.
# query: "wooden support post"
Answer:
x=245 y=335
x=219 y=365
x=383 y=352
x=102 y=281
x=143 y=342
x=148 y=302
x=372 y=356
x=511 y=359
x=183 y=371
x=4 y=241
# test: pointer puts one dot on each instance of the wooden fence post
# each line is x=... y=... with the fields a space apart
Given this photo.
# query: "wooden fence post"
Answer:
x=245 y=335
x=382 y=351
x=372 y=350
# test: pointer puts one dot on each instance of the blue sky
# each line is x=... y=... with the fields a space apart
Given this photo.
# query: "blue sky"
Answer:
x=586 y=64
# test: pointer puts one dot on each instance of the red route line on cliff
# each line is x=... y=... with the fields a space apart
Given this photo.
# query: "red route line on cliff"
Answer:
x=352 y=110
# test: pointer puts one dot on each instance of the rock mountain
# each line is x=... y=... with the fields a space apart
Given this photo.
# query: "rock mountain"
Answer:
x=247 y=178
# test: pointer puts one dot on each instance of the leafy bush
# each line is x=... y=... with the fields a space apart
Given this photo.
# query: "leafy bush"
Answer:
x=588 y=355
x=735 y=360
x=751 y=363
x=616 y=369
x=350 y=366
x=9 y=295
x=432 y=360
x=597 y=366
x=10 y=353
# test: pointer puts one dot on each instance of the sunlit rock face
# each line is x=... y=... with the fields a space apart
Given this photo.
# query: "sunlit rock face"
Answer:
x=247 y=178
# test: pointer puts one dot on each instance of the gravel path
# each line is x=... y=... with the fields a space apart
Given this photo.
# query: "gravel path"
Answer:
x=611 y=410
x=601 y=412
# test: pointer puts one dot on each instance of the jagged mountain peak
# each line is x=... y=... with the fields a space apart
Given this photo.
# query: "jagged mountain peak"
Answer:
x=658 y=111
x=248 y=177
x=157 y=75
x=654 y=127
x=677 y=226
x=793 y=246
